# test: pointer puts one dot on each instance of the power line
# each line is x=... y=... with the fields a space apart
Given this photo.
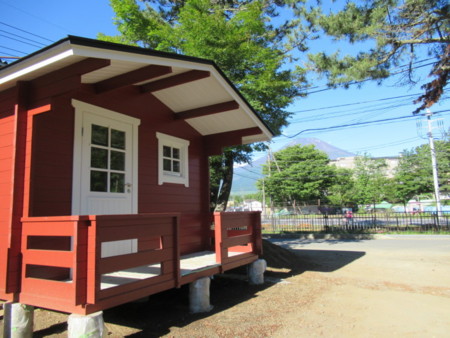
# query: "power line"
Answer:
x=22 y=37
x=399 y=67
x=15 y=50
x=250 y=178
x=37 y=17
x=383 y=105
x=287 y=158
x=28 y=43
x=353 y=112
x=339 y=113
x=386 y=145
x=348 y=125
x=355 y=103
x=365 y=80
x=7 y=55
x=253 y=172
x=357 y=124
x=24 y=31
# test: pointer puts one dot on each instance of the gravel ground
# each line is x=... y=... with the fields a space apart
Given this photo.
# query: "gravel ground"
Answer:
x=385 y=287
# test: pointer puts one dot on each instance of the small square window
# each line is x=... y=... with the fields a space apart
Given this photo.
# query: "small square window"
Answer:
x=176 y=167
x=175 y=153
x=167 y=151
x=172 y=160
x=167 y=165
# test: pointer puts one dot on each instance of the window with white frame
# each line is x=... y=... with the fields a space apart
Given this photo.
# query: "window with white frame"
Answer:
x=172 y=160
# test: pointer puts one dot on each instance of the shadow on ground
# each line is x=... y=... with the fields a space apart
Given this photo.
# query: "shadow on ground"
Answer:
x=300 y=260
x=155 y=316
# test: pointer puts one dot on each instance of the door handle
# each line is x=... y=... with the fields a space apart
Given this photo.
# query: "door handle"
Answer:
x=128 y=186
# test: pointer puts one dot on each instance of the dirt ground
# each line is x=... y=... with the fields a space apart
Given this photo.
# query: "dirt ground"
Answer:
x=309 y=292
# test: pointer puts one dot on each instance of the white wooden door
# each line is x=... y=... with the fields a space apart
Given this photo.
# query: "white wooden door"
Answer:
x=105 y=162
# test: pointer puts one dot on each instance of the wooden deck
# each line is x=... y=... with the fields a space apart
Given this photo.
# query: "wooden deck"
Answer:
x=189 y=264
x=65 y=266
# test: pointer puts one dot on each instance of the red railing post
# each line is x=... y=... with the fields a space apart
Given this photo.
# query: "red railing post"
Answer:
x=257 y=234
x=93 y=256
x=220 y=233
x=80 y=260
x=176 y=254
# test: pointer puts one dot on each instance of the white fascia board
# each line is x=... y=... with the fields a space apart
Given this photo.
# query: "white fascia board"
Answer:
x=36 y=62
x=242 y=104
x=101 y=53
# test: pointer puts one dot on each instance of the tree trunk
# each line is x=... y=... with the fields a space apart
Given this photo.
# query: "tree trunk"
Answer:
x=221 y=178
x=227 y=180
x=214 y=185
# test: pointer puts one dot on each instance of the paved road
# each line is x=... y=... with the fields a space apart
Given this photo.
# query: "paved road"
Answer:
x=424 y=243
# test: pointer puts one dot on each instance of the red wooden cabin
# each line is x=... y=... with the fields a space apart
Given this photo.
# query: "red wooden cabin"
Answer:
x=104 y=174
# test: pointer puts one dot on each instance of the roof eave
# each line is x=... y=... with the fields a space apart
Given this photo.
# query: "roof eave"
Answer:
x=84 y=47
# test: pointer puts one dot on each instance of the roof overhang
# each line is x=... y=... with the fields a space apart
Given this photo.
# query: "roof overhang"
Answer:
x=196 y=90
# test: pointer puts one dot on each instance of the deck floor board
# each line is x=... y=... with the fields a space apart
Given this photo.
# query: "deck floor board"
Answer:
x=191 y=263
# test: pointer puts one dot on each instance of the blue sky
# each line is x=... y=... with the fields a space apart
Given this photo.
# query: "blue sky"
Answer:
x=51 y=21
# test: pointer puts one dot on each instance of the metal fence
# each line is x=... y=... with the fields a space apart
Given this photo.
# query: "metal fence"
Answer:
x=373 y=223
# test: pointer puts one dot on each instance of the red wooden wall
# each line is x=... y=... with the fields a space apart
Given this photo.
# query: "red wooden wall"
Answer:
x=52 y=162
x=7 y=127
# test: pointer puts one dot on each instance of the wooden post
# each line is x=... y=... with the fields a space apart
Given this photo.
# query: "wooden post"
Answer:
x=93 y=255
x=220 y=232
x=257 y=234
x=176 y=245
x=19 y=201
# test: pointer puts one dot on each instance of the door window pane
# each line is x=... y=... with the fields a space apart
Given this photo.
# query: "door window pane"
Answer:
x=99 y=135
x=99 y=181
x=108 y=157
x=117 y=139
x=99 y=158
x=117 y=160
x=117 y=182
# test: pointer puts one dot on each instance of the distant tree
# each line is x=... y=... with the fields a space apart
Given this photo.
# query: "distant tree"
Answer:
x=370 y=180
x=237 y=199
x=388 y=34
x=297 y=174
x=414 y=174
x=239 y=38
x=341 y=192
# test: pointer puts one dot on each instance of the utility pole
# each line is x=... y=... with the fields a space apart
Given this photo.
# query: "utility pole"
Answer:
x=434 y=164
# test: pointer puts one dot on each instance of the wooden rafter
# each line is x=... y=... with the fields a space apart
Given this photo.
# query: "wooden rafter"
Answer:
x=207 y=110
x=175 y=80
x=130 y=78
x=215 y=143
x=77 y=69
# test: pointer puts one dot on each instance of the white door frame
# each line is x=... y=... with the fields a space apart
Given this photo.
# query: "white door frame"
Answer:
x=83 y=109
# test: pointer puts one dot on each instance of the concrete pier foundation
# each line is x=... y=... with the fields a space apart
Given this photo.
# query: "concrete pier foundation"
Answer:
x=18 y=320
x=256 y=272
x=86 y=326
x=199 y=295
